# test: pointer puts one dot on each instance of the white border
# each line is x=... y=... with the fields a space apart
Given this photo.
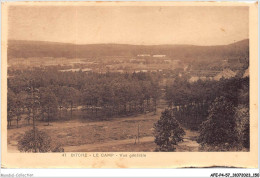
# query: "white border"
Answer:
x=195 y=172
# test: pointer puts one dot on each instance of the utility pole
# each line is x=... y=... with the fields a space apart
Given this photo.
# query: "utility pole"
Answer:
x=138 y=134
x=34 y=129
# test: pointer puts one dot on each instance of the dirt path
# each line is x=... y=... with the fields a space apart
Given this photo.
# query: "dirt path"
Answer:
x=189 y=142
x=114 y=143
x=146 y=144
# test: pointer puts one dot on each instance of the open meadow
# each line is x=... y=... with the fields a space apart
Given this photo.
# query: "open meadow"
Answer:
x=118 y=134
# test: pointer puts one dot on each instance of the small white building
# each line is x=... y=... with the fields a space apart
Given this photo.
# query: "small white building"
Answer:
x=226 y=73
x=159 y=55
x=143 y=55
x=87 y=70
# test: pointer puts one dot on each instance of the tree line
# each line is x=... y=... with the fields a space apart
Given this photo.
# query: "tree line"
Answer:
x=191 y=101
x=44 y=94
x=219 y=110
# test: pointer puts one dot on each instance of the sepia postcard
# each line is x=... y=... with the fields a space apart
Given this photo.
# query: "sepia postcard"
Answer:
x=129 y=84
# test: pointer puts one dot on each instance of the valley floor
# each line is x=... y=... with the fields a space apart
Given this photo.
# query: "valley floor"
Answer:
x=119 y=134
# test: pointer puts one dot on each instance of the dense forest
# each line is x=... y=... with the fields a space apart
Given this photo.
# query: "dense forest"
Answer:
x=219 y=110
x=191 y=101
x=44 y=93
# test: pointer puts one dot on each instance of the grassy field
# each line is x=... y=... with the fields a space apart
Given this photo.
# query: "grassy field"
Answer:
x=117 y=134
x=74 y=133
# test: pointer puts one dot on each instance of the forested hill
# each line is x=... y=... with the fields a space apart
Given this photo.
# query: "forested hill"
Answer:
x=24 y=49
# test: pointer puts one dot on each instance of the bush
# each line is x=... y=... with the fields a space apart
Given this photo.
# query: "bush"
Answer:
x=220 y=126
x=40 y=143
x=58 y=148
x=167 y=132
x=242 y=125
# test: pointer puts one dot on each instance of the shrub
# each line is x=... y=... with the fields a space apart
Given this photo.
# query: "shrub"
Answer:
x=242 y=125
x=220 y=126
x=41 y=142
x=58 y=148
x=167 y=132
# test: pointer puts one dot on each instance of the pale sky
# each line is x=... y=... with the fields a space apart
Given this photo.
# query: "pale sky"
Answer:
x=129 y=25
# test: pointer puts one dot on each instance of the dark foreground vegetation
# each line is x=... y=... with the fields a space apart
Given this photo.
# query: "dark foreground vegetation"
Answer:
x=219 y=110
x=190 y=102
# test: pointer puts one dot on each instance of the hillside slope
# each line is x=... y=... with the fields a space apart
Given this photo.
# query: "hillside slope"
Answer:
x=25 y=49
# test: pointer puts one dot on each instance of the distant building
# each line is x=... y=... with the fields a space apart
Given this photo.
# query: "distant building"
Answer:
x=77 y=70
x=138 y=71
x=138 y=61
x=196 y=78
x=227 y=73
x=70 y=70
x=159 y=55
x=87 y=70
x=120 y=71
x=143 y=55
x=246 y=74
